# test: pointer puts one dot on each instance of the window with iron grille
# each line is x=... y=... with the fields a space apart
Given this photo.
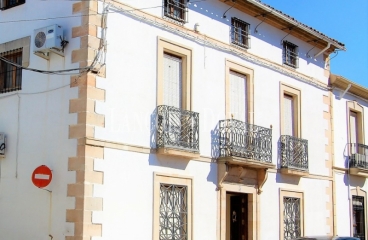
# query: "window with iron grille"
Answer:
x=173 y=212
x=240 y=33
x=11 y=76
x=5 y=4
x=292 y=218
x=290 y=54
x=358 y=217
x=176 y=9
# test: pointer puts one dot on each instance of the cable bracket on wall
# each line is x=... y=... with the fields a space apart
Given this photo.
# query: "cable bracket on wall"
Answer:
x=290 y=30
x=315 y=43
x=224 y=15
x=264 y=15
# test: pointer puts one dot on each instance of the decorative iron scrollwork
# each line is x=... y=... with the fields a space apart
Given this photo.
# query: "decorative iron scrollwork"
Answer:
x=241 y=139
x=173 y=212
x=177 y=128
x=294 y=152
x=358 y=155
x=292 y=221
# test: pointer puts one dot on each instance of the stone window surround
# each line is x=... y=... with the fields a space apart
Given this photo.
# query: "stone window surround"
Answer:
x=296 y=94
x=295 y=194
x=23 y=43
x=167 y=46
x=159 y=178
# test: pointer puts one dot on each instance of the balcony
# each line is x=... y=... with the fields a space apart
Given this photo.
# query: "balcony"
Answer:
x=241 y=143
x=358 y=159
x=177 y=132
x=293 y=156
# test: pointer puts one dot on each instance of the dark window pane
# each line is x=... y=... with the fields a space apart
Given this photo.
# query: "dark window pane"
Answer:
x=10 y=75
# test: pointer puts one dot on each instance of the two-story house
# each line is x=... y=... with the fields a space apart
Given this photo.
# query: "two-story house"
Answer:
x=165 y=119
x=350 y=106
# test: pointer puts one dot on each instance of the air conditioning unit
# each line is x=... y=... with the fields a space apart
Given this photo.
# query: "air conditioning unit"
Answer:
x=48 y=39
x=2 y=145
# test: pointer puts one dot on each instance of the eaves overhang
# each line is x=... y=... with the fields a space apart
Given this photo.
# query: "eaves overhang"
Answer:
x=343 y=83
x=286 y=23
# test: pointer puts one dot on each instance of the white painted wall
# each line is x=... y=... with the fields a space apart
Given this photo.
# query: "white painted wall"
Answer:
x=128 y=113
x=342 y=205
x=131 y=87
x=130 y=101
x=315 y=200
x=128 y=194
x=266 y=42
x=35 y=121
x=341 y=124
x=344 y=183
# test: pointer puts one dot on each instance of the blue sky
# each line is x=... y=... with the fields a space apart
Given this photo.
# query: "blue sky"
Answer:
x=343 y=20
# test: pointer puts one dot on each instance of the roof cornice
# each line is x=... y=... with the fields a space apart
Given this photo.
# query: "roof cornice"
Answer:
x=286 y=22
x=343 y=83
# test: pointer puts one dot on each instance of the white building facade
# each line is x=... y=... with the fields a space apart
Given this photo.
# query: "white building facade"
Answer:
x=176 y=120
x=350 y=104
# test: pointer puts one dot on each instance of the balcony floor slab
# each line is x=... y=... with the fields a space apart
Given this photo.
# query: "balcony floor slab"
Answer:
x=246 y=162
x=361 y=172
x=177 y=153
x=295 y=172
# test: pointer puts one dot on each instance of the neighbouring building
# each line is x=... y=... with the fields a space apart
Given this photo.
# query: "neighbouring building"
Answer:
x=174 y=119
x=350 y=150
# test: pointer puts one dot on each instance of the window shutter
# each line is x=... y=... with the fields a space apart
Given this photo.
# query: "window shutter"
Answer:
x=288 y=115
x=172 y=81
x=353 y=128
x=238 y=96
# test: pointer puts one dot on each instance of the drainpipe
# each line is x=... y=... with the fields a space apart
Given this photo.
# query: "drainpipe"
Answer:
x=323 y=50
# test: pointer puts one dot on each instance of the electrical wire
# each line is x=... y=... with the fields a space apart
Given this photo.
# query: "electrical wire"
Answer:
x=83 y=15
x=84 y=70
x=185 y=34
x=213 y=44
x=62 y=71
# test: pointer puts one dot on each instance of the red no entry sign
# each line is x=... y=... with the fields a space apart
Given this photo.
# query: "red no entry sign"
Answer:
x=41 y=176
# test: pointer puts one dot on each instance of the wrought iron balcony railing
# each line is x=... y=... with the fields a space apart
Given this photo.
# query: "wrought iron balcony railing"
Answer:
x=358 y=155
x=294 y=153
x=240 y=139
x=177 y=128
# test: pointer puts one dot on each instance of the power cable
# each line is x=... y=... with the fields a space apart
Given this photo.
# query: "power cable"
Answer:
x=84 y=15
x=62 y=71
x=213 y=44
x=84 y=70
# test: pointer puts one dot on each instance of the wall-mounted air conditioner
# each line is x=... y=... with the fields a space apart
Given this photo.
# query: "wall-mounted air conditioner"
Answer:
x=2 y=145
x=48 y=39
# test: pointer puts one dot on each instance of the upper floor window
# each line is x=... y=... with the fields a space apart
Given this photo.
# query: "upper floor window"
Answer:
x=238 y=96
x=290 y=115
x=355 y=113
x=10 y=75
x=239 y=92
x=290 y=54
x=5 y=4
x=173 y=80
x=176 y=9
x=240 y=33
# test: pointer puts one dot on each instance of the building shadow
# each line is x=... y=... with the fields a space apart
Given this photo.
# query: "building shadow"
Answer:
x=168 y=161
x=153 y=129
x=215 y=143
x=282 y=178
